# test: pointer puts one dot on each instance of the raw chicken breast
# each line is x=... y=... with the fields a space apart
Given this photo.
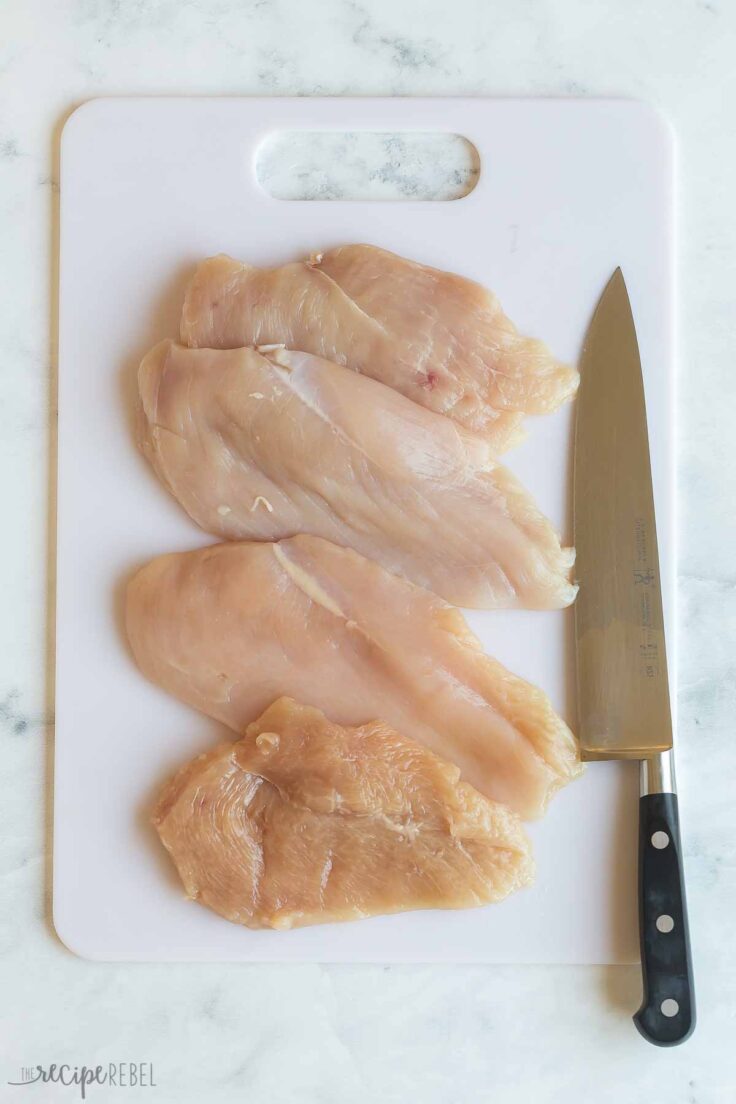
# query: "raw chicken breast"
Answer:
x=439 y=339
x=270 y=444
x=305 y=822
x=230 y=628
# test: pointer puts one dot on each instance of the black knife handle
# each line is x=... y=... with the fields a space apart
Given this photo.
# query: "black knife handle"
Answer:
x=667 y=1013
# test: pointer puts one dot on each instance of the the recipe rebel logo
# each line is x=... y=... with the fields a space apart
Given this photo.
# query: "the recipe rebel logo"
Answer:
x=117 y=1075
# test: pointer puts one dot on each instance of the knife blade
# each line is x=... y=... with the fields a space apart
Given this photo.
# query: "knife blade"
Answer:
x=622 y=682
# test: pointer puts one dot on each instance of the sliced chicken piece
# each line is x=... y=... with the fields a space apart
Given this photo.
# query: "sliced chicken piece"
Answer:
x=305 y=822
x=439 y=339
x=270 y=445
x=230 y=628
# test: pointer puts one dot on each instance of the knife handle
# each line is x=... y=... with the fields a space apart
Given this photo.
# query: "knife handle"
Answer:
x=667 y=1013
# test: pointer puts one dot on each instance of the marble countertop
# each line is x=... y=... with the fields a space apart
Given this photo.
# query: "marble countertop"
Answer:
x=335 y=1034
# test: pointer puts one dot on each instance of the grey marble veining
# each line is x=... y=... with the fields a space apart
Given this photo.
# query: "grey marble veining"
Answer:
x=367 y=165
x=310 y=1035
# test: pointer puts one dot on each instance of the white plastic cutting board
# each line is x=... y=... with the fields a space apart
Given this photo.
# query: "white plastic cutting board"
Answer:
x=568 y=191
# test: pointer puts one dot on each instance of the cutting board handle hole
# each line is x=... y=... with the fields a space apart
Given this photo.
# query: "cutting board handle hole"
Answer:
x=367 y=165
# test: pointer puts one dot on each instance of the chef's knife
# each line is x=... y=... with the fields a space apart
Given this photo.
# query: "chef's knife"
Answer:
x=623 y=694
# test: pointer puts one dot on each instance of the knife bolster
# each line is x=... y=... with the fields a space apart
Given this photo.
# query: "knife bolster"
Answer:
x=657 y=774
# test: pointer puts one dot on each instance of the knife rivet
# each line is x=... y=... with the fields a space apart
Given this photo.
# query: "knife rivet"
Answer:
x=665 y=923
x=660 y=840
x=669 y=1007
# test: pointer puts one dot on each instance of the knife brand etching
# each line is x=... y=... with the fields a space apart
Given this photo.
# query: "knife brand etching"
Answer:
x=645 y=578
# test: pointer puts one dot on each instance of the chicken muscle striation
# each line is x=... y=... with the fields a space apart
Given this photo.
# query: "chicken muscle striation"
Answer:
x=230 y=628
x=268 y=445
x=438 y=338
x=303 y=821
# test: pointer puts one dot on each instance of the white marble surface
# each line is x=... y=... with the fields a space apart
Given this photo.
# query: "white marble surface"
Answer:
x=311 y=1034
x=313 y=165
